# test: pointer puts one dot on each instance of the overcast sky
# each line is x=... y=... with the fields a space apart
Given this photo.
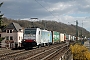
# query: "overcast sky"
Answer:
x=66 y=11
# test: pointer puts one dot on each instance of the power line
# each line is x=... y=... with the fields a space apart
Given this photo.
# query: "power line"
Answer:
x=45 y=9
x=52 y=10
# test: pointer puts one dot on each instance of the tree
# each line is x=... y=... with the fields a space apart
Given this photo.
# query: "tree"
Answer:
x=1 y=26
x=80 y=52
x=1 y=15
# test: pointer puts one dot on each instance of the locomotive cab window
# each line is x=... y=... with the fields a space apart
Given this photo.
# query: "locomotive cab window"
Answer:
x=30 y=31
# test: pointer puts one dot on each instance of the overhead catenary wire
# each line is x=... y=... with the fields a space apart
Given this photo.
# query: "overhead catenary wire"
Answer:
x=50 y=13
x=47 y=9
x=52 y=10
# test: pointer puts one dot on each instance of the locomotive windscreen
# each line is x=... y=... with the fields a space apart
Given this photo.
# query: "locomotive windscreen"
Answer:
x=30 y=31
x=30 y=34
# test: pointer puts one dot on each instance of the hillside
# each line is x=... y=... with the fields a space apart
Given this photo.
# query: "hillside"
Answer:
x=50 y=25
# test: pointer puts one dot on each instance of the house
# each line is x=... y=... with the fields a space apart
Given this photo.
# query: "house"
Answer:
x=13 y=34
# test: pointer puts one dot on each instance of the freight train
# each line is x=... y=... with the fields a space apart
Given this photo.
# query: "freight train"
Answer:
x=38 y=37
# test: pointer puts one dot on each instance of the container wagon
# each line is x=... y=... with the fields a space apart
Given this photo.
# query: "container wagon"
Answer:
x=55 y=37
x=73 y=38
x=45 y=37
x=62 y=37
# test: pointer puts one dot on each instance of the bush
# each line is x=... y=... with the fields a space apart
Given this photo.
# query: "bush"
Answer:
x=80 y=52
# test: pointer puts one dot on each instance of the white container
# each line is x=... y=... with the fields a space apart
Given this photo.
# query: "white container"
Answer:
x=61 y=37
x=45 y=37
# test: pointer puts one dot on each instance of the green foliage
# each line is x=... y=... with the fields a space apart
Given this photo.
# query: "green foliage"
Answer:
x=1 y=4
x=1 y=16
x=1 y=38
x=1 y=26
x=80 y=52
x=50 y=25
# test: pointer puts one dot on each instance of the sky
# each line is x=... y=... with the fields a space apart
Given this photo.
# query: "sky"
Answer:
x=65 y=11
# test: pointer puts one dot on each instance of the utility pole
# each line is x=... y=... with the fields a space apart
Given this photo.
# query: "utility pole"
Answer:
x=82 y=28
x=45 y=27
x=76 y=29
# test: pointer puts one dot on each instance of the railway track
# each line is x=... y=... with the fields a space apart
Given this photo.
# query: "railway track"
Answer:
x=39 y=53
x=47 y=54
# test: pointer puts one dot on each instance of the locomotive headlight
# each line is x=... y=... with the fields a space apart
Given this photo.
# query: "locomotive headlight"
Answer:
x=35 y=40
x=23 y=40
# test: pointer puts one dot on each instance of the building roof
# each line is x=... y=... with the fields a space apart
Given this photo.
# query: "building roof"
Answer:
x=15 y=26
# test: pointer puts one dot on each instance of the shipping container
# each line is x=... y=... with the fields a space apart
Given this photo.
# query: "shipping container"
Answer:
x=61 y=37
x=64 y=37
x=50 y=41
x=69 y=37
x=73 y=38
x=55 y=37
x=45 y=37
